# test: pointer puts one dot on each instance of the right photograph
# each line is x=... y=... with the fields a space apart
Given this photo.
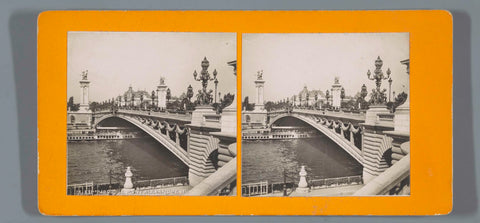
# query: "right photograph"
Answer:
x=325 y=114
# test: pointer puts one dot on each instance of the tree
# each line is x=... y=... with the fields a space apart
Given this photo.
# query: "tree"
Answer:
x=348 y=104
x=176 y=105
x=342 y=93
x=225 y=102
x=72 y=105
x=141 y=99
x=246 y=105
x=94 y=106
x=399 y=100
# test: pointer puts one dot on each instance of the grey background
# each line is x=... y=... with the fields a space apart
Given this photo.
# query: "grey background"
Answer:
x=18 y=102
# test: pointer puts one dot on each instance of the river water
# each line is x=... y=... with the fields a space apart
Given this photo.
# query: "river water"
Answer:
x=267 y=160
x=91 y=161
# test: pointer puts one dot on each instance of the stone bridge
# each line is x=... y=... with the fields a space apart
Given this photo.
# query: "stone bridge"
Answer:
x=346 y=135
x=370 y=144
x=201 y=148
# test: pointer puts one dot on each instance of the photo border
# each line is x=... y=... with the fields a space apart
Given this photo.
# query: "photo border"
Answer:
x=431 y=109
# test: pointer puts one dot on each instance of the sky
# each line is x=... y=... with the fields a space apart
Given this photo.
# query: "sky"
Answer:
x=292 y=61
x=116 y=60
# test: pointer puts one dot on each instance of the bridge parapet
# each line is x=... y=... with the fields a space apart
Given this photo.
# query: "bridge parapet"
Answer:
x=393 y=181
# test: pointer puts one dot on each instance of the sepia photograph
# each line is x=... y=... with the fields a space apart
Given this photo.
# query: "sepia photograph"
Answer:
x=325 y=114
x=151 y=113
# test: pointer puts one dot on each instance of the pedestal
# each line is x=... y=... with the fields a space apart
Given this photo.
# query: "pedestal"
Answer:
x=302 y=184
x=128 y=186
x=198 y=116
x=229 y=120
x=371 y=116
x=254 y=119
x=162 y=96
x=402 y=119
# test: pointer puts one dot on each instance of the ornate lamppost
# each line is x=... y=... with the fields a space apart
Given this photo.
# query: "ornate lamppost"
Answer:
x=327 y=96
x=378 y=95
x=342 y=96
x=389 y=88
x=363 y=94
x=169 y=95
x=189 y=94
x=204 y=96
x=216 y=83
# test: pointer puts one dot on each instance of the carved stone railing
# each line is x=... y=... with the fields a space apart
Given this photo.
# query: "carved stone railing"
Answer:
x=255 y=189
x=213 y=184
x=334 y=182
x=395 y=176
x=347 y=131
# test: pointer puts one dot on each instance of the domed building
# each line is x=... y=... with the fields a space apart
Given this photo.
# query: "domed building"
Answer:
x=306 y=98
x=136 y=98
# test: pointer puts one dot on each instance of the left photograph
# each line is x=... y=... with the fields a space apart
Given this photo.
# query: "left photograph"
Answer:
x=151 y=113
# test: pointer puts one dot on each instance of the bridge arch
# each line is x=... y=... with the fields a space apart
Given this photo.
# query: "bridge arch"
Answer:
x=179 y=152
x=338 y=139
x=101 y=118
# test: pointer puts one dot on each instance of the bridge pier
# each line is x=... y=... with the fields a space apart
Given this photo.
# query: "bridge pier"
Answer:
x=201 y=145
x=374 y=145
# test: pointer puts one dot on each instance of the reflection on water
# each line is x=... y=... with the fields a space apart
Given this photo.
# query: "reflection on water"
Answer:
x=91 y=161
x=267 y=160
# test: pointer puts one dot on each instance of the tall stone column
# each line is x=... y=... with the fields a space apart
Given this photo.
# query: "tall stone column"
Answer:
x=162 y=94
x=259 y=84
x=84 y=88
x=336 y=92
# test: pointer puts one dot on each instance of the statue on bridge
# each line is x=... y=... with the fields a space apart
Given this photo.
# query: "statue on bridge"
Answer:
x=84 y=74
x=378 y=97
x=259 y=75
x=205 y=97
x=162 y=80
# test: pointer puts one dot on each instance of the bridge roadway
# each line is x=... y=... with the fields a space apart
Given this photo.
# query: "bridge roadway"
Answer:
x=321 y=122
